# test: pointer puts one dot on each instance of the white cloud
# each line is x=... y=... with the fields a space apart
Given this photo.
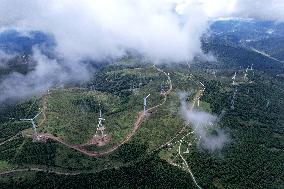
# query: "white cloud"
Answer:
x=46 y=73
x=102 y=29
x=4 y=58
x=98 y=30
x=255 y=9
x=205 y=127
x=259 y=9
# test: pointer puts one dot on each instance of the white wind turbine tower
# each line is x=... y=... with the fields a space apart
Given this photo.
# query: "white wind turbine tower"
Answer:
x=198 y=102
x=234 y=78
x=33 y=122
x=162 y=89
x=251 y=68
x=268 y=103
x=101 y=127
x=145 y=103
x=188 y=64
x=245 y=76
x=214 y=73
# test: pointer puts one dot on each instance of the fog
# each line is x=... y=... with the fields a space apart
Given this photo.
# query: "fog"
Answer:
x=109 y=28
x=98 y=31
x=244 y=9
x=205 y=126
x=4 y=58
x=163 y=31
x=47 y=73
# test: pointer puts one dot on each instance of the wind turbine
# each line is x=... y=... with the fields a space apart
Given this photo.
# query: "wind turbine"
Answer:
x=145 y=103
x=32 y=121
x=234 y=78
x=100 y=127
x=268 y=103
x=188 y=64
x=162 y=89
x=214 y=73
x=245 y=76
x=198 y=102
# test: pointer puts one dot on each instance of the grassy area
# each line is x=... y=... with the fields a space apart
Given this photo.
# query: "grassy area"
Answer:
x=74 y=112
x=4 y=165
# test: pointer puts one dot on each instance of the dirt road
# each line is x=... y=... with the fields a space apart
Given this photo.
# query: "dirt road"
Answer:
x=187 y=167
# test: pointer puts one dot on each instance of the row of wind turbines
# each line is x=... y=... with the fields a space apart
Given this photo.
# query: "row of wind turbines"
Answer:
x=245 y=77
x=100 y=132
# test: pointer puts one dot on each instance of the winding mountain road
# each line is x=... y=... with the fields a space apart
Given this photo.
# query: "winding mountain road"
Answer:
x=198 y=95
x=187 y=167
x=137 y=124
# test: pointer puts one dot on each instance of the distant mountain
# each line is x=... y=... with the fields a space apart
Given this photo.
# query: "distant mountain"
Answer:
x=20 y=46
x=264 y=36
x=12 y=41
x=247 y=29
x=230 y=55
x=273 y=46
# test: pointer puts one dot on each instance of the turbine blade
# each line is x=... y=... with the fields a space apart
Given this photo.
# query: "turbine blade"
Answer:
x=37 y=115
x=25 y=119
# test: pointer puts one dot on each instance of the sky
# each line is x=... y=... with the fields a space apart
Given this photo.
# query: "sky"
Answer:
x=163 y=31
x=251 y=9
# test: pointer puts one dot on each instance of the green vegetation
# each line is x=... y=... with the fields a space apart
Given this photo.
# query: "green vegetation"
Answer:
x=10 y=116
x=4 y=165
x=252 y=159
x=72 y=115
x=150 y=173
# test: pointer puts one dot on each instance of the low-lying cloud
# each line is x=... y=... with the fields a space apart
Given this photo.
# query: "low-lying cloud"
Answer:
x=246 y=9
x=205 y=127
x=4 y=59
x=109 y=28
x=98 y=31
x=46 y=73
x=161 y=31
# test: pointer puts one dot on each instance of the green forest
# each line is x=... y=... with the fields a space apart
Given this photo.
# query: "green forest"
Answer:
x=253 y=157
